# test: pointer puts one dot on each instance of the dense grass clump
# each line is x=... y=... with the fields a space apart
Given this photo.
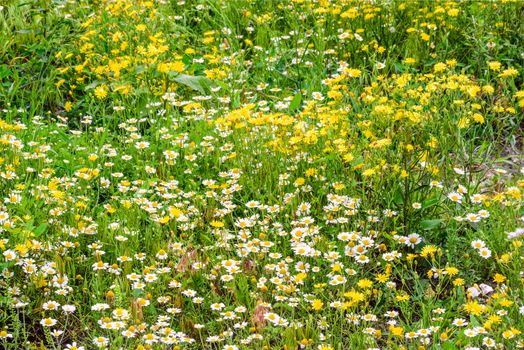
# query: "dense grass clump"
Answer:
x=299 y=174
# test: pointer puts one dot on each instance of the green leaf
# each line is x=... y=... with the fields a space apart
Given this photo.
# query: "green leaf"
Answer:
x=41 y=229
x=448 y=346
x=28 y=225
x=357 y=160
x=198 y=83
x=93 y=85
x=4 y=71
x=430 y=224
x=140 y=69
x=296 y=101
x=187 y=60
x=430 y=202
x=235 y=102
x=397 y=197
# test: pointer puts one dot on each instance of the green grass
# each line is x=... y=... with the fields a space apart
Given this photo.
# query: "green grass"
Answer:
x=255 y=175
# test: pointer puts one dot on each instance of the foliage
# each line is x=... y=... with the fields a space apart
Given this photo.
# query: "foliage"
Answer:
x=207 y=174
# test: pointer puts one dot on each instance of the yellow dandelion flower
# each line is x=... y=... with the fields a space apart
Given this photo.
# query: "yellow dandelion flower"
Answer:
x=101 y=91
x=498 y=278
x=317 y=304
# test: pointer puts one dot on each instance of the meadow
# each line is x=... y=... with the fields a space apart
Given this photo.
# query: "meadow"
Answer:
x=261 y=174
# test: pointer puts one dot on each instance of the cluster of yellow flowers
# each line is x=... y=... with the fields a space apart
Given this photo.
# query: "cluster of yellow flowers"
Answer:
x=282 y=178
